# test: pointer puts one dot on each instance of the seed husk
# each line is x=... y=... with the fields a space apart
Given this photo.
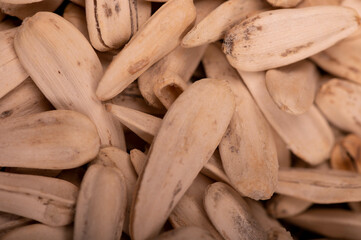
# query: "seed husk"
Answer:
x=66 y=69
x=284 y=3
x=333 y=223
x=146 y=47
x=101 y=204
x=214 y=26
x=230 y=214
x=10 y=221
x=248 y=151
x=23 y=10
x=58 y=139
x=12 y=73
x=293 y=87
x=177 y=67
x=40 y=232
x=339 y=100
x=199 y=117
x=48 y=200
x=24 y=100
x=76 y=15
x=314 y=145
x=320 y=186
x=346 y=154
x=281 y=206
x=291 y=35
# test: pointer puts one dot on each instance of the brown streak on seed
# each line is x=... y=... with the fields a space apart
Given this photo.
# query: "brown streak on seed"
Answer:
x=295 y=49
x=107 y=10
x=136 y=67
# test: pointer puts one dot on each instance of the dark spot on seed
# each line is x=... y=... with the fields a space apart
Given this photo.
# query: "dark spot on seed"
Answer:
x=108 y=11
x=78 y=63
x=6 y=113
x=117 y=8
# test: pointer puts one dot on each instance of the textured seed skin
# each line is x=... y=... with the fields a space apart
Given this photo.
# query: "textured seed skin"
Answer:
x=280 y=37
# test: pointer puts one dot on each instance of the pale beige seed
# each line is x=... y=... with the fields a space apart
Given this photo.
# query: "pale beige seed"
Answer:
x=189 y=211
x=66 y=69
x=273 y=228
x=23 y=100
x=339 y=100
x=230 y=214
x=314 y=145
x=214 y=26
x=101 y=204
x=110 y=23
x=144 y=125
x=114 y=157
x=312 y=3
x=147 y=126
x=281 y=206
x=164 y=79
x=191 y=233
x=132 y=98
x=199 y=117
x=22 y=10
x=48 y=200
x=346 y=154
x=333 y=223
x=284 y=3
x=283 y=153
x=12 y=72
x=58 y=139
x=10 y=221
x=40 y=232
x=76 y=15
x=280 y=37
x=20 y=1
x=157 y=38
x=248 y=151
x=293 y=87
x=320 y=186
x=342 y=60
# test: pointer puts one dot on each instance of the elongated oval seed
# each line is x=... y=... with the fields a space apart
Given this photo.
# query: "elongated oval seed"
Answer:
x=273 y=228
x=281 y=206
x=101 y=204
x=291 y=35
x=333 y=223
x=27 y=10
x=284 y=3
x=189 y=233
x=9 y=221
x=339 y=101
x=320 y=186
x=114 y=157
x=48 y=200
x=109 y=23
x=12 y=72
x=146 y=47
x=40 y=232
x=190 y=210
x=58 y=139
x=214 y=26
x=293 y=87
x=177 y=65
x=66 y=69
x=24 y=100
x=248 y=151
x=342 y=59
x=230 y=214
x=314 y=145
x=199 y=117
